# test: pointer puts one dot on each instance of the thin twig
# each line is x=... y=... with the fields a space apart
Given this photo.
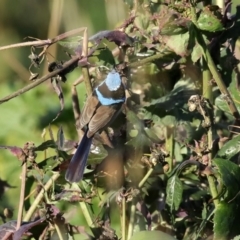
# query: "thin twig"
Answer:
x=85 y=71
x=22 y=194
x=123 y=218
x=64 y=66
x=87 y=211
x=133 y=206
x=145 y=178
x=41 y=80
x=7 y=236
x=42 y=43
x=39 y=197
x=59 y=233
x=26 y=44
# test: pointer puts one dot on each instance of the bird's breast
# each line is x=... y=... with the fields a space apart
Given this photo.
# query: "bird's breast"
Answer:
x=107 y=97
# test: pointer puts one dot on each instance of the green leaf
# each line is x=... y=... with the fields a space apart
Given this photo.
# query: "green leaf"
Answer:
x=45 y=145
x=210 y=19
x=71 y=43
x=226 y=220
x=174 y=192
x=71 y=196
x=139 y=134
x=103 y=57
x=196 y=53
x=197 y=50
x=153 y=235
x=133 y=133
x=60 y=139
x=176 y=99
x=221 y=101
x=178 y=43
x=140 y=222
x=134 y=120
x=169 y=120
x=97 y=154
x=230 y=149
x=172 y=28
x=49 y=164
x=139 y=141
x=141 y=21
x=151 y=134
x=230 y=176
x=221 y=104
x=170 y=22
x=184 y=132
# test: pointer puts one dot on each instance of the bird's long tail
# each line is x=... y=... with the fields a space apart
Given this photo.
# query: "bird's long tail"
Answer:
x=77 y=165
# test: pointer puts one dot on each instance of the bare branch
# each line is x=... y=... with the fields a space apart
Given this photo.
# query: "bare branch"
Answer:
x=67 y=64
x=42 y=43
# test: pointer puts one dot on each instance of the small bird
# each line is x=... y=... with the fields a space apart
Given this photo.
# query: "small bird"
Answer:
x=100 y=109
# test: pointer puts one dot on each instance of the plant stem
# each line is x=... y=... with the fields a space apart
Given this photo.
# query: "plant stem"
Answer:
x=207 y=93
x=145 y=178
x=85 y=71
x=87 y=212
x=87 y=81
x=60 y=237
x=85 y=209
x=150 y=59
x=132 y=219
x=133 y=206
x=170 y=147
x=22 y=195
x=124 y=218
x=39 y=197
x=213 y=190
x=216 y=76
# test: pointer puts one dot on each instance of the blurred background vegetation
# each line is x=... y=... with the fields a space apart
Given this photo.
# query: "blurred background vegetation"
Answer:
x=23 y=118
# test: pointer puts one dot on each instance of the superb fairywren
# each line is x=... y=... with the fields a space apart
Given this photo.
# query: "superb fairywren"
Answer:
x=101 y=107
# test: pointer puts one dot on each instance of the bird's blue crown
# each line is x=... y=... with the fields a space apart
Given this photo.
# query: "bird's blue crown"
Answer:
x=113 y=80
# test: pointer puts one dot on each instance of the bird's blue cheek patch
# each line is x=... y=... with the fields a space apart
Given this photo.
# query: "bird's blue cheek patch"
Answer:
x=108 y=101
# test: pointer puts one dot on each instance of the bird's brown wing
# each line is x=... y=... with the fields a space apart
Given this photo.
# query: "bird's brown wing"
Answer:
x=102 y=117
x=88 y=110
